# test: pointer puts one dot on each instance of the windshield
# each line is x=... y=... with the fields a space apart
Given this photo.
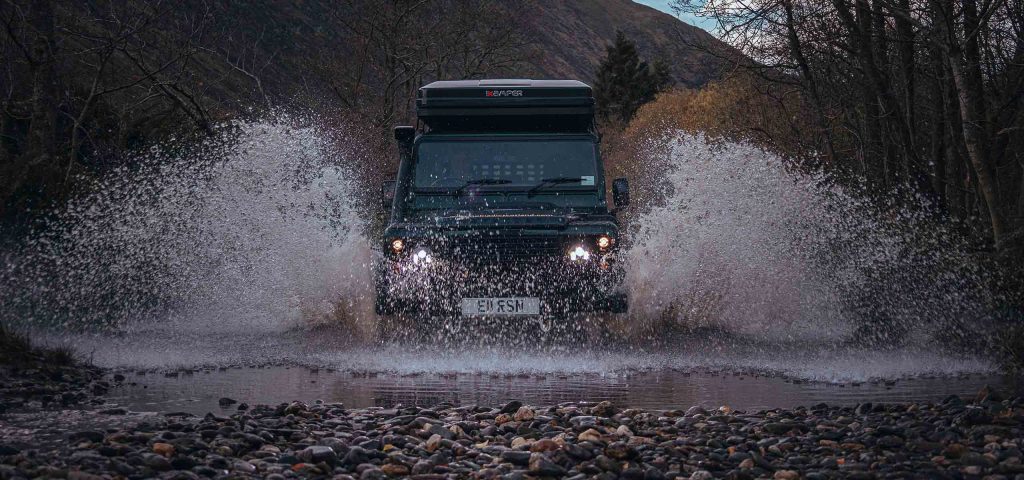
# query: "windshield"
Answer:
x=491 y=173
x=449 y=164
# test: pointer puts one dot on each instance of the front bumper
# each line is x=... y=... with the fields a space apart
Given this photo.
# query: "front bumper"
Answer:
x=439 y=287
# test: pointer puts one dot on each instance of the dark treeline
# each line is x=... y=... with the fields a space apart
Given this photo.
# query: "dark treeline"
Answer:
x=81 y=82
x=917 y=96
x=625 y=82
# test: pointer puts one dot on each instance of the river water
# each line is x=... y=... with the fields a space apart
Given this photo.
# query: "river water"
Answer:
x=321 y=364
x=199 y=392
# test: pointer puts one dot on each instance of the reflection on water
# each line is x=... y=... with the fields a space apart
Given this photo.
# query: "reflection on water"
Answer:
x=199 y=392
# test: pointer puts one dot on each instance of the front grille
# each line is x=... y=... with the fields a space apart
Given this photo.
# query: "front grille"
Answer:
x=498 y=248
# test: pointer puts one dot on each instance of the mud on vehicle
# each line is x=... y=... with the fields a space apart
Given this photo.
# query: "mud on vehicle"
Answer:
x=499 y=207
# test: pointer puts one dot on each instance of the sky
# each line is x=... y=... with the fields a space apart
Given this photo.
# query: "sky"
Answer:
x=663 y=5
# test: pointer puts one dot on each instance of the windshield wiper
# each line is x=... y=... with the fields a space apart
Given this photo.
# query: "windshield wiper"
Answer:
x=480 y=181
x=550 y=182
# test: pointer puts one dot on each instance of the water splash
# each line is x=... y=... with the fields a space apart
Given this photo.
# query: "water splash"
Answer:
x=743 y=244
x=253 y=228
x=236 y=250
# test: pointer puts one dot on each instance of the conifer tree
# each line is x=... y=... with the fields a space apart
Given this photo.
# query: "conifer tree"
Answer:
x=625 y=81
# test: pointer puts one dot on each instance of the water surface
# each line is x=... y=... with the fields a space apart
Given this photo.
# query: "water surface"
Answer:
x=199 y=392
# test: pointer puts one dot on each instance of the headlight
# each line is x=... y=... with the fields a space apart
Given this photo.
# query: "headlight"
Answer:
x=604 y=242
x=422 y=257
x=579 y=253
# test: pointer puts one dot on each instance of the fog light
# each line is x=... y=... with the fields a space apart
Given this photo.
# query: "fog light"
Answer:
x=397 y=245
x=603 y=242
x=579 y=253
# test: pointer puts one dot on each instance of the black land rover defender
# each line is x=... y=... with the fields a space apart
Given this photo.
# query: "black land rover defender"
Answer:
x=499 y=206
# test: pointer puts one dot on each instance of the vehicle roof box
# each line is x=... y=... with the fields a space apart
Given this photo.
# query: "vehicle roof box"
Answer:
x=506 y=104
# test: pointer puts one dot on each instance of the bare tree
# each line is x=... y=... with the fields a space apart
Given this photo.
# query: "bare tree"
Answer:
x=861 y=64
x=399 y=45
x=69 y=69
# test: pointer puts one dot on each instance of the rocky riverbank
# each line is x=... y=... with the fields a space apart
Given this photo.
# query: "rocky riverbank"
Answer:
x=35 y=377
x=977 y=438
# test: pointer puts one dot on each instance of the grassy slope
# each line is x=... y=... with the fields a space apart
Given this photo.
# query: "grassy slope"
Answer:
x=18 y=352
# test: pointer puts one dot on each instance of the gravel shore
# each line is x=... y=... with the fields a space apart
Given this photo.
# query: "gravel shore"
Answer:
x=51 y=386
x=957 y=438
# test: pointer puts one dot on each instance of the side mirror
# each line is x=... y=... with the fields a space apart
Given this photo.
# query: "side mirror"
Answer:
x=387 y=194
x=620 y=192
x=405 y=135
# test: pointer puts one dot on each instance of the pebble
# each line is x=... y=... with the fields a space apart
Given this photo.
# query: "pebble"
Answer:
x=433 y=443
x=701 y=475
x=90 y=436
x=571 y=440
x=516 y=457
x=696 y=410
x=511 y=407
x=155 y=461
x=542 y=465
x=242 y=466
x=317 y=454
x=164 y=449
x=545 y=445
x=590 y=435
x=524 y=414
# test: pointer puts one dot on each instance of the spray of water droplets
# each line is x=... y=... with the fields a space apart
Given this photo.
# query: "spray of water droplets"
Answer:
x=251 y=229
x=742 y=243
x=229 y=251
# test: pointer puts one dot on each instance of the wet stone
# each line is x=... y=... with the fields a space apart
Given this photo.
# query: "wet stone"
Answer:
x=607 y=464
x=288 y=459
x=543 y=466
x=156 y=462
x=516 y=457
x=372 y=473
x=701 y=475
x=578 y=452
x=182 y=462
x=422 y=467
x=696 y=410
x=355 y=456
x=575 y=441
x=89 y=435
x=619 y=451
x=317 y=454
x=511 y=407
x=583 y=421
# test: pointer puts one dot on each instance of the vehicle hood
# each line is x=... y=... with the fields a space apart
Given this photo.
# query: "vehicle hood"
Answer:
x=496 y=218
x=518 y=219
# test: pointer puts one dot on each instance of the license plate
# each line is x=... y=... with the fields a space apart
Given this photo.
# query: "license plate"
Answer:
x=500 y=306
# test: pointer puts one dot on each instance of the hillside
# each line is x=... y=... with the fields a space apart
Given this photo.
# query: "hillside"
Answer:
x=559 y=38
x=315 y=47
x=573 y=36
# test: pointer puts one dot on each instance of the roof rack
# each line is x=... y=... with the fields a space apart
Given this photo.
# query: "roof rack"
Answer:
x=517 y=104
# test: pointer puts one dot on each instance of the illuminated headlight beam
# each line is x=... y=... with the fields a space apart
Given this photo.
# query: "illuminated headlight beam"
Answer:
x=422 y=257
x=579 y=254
